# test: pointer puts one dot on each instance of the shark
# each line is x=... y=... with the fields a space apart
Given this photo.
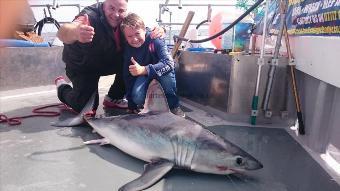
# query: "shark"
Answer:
x=166 y=141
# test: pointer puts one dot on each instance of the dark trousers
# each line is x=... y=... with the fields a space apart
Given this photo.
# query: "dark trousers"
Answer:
x=83 y=86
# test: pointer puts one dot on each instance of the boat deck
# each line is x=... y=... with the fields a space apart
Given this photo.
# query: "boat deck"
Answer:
x=37 y=156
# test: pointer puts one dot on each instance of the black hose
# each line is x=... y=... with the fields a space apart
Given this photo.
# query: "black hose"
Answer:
x=224 y=30
x=41 y=23
x=201 y=23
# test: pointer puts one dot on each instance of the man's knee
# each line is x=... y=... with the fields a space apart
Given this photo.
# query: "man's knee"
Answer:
x=60 y=91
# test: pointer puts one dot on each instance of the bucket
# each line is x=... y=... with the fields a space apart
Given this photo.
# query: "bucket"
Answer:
x=237 y=38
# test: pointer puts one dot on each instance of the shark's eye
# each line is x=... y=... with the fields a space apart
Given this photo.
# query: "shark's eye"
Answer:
x=239 y=160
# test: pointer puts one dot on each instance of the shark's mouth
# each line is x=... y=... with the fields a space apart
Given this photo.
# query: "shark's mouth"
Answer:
x=225 y=169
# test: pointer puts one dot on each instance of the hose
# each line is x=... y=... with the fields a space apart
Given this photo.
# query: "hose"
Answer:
x=176 y=37
x=41 y=23
x=201 y=23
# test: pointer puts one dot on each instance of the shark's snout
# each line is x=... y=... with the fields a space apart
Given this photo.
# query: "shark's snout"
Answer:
x=253 y=165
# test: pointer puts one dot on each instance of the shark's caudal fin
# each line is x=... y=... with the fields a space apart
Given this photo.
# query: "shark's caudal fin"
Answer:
x=78 y=119
x=155 y=99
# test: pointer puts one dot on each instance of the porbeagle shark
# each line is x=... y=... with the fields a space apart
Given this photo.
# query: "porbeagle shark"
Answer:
x=167 y=141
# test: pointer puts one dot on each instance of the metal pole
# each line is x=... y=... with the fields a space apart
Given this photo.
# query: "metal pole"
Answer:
x=170 y=27
x=160 y=12
x=260 y=63
x=275 y=60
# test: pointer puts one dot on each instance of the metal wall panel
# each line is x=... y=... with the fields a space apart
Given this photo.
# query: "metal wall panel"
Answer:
x=243 y=81
x=228 y=82
x=204 y=78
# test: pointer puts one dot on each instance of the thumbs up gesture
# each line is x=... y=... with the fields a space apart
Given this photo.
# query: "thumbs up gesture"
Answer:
x=85 y=31
x=136 y=69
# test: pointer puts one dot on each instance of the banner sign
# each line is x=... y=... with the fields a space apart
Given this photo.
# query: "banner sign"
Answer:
x=305 y=17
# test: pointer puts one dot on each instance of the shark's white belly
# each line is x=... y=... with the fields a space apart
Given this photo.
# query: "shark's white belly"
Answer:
x=145 y=150
x=139 y=144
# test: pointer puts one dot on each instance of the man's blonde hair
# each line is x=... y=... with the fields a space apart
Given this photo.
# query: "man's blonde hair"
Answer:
x=132 y=20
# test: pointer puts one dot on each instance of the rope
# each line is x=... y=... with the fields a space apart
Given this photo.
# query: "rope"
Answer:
x=38 y=113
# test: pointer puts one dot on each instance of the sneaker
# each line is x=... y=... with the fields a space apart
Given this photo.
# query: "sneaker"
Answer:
x=60 y=80
x=178 y=111
x=115 y=103
x=91 y=113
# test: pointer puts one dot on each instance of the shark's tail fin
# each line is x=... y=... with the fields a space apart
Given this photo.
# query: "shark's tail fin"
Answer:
x=78 y=119
x=90 y=103
x=155 y=99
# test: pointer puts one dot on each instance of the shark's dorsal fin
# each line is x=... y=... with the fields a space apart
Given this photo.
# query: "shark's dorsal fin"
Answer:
x=155 y=99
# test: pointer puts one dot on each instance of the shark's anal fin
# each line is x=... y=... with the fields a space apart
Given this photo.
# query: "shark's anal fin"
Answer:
x=153 y=172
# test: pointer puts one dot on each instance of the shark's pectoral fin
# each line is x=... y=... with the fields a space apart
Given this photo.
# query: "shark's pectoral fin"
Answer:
x=152 y=173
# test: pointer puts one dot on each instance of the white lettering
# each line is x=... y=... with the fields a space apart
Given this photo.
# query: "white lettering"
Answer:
x=327 y=4
x=304 y=20
x=312 y=7
x=297 y=11
x=315 y=18
x=337 y=3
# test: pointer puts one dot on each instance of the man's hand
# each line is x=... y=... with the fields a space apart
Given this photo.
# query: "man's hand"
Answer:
x=84 y=31
x=157 y=32
x=137 y=70
x=79 y=30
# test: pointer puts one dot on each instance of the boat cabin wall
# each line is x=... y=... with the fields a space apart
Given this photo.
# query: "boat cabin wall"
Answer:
x=25 y=67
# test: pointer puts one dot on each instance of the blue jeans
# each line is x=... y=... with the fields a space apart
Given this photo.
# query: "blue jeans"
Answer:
x=168 y=83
